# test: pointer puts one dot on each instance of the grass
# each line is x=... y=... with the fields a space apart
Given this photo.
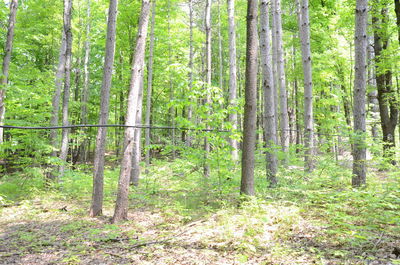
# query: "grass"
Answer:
x=177 y=216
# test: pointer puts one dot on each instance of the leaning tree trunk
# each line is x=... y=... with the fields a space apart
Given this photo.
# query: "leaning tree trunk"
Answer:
x=208 y=82
x=250 y=107
x=98 y=175
x=280 y=64
x=149 y=88
x=67 y=87
x=308 y=97
x=268 y=87
x=121 y=205
x=6 y=62
x=233 y=119
x=360 y=87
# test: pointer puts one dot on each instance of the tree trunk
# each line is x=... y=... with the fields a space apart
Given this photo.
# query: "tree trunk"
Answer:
x=208 y=81
x=373 y=95
x=233 y=119
x=121 y=206
x=6 y=62
x=250 y=108
x=388 y=106
x=397 y=11
x=268 y=87
x=191 y=54
x=149 y=88
x=86 y=83
x=308 y=97
x=135 y=174
x=67 y=87
x=275 y=67
x=360 y=86
x=280 y=64
x=221 y=63
x=97 y=196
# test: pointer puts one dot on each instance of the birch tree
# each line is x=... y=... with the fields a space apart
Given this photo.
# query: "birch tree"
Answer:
x=208 y=79
x=250 y=107
x=98 y=175
x=6 y=62
x=121 y=205
x=360 y=87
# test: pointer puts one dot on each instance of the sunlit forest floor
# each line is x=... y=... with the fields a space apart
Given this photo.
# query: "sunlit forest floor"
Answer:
x=178 y=217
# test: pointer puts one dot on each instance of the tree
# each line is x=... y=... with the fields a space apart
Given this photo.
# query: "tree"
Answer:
x=360 y=86
x=121 y=205
x=149 y=87
x=232 y=78
x=208 y=56
x=308 y=90
x=98 y=175
x=67 y=86
x=6 y=61
x=388 y=106
x=280 y=64
x=250 y=107
x=268 y=88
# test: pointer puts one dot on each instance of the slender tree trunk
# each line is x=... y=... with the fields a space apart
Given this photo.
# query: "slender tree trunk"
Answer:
x=360 y=87
x=97 y=196
x=191 y=54
x=275 y=66
x=135 y=174
x=121 y=206
x=233 y=119
x=86 y=82
x=67 y=86
x=6 y=62
x=397 y=11
x=149 y=87
x=221 y=63
x=268 y=87
x=208 y=81
x=172 y=110
x=250 y=108
x=308 y=94
x=373 y=95
x=280 y=64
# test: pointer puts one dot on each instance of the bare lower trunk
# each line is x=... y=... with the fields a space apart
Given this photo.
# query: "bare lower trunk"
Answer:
x=135 y=174
x=149 y=88
x=268 y=87
x=233 y=119
x=308 y=92
x=360 y=86
x=206 y=168
x=97 y=196
x=280 y=64
x=67 y=87
x=250 y=108
x=6 y=62
x=121 y=205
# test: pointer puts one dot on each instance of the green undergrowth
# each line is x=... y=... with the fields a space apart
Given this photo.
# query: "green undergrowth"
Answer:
x=310 y=217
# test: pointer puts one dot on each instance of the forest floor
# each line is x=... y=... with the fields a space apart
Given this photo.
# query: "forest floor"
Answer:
x=176 y=217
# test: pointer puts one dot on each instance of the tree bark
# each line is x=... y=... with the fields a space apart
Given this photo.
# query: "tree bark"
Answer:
x=233 y=119
x=135 y=174
x=360 y=86
x=250 y=108
x=208 y=81
x=191 y=55
x=268 y=87
x=121 y=206
x=98 y=175
x=6 y=62
x=67 y=86
x=388 y=106
x=308 y=93
x=280 y=64
x=149 y=88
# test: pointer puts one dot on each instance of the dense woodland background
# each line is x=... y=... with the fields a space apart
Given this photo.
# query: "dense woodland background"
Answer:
x=200 y=104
